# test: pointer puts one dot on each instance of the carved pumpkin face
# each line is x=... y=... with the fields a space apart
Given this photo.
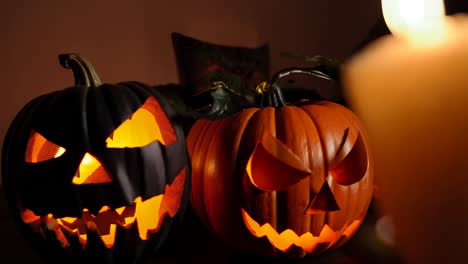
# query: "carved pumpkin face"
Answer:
x=88 y=169
x=282 y=181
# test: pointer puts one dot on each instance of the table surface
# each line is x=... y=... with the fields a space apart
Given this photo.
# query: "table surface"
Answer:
x=365 y=246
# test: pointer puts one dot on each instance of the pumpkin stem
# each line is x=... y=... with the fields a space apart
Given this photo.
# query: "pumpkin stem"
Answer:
x=270 y=92
x=82 y=69
x=271 y=95
x=322 y=67
x=314 y=71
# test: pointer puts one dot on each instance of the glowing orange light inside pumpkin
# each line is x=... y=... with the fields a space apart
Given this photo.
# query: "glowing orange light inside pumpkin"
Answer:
x=146 y=125
x=40 y=149
x=90 y=171
x=307 y=241
x=29 y=217
x=69 y=219
x=53 y=225
x=148 y=214
x=109 y=239
x=59 y=153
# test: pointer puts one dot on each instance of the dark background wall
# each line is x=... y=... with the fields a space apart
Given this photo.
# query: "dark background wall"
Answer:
x=130 y=40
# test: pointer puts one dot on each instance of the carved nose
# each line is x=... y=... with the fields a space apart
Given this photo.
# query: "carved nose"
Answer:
x=90 y=171
x=323 y=202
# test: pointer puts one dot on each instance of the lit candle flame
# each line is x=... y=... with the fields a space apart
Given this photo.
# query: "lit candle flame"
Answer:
x=420 y=21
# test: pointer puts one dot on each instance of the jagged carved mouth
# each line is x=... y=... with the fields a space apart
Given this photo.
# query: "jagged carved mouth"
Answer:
x=148 y=215
x=307 y=241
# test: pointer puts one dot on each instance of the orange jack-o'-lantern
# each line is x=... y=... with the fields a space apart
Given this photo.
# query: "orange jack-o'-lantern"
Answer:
x=96 y=171
x=282 y=179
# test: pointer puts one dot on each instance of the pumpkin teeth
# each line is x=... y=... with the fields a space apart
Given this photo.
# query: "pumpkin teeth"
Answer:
x=167 y=204
x=83 y=238
x=104 y=209
x=109 y=238
x=105 y=222
x=91 y=226
x=29 y=217
x=120 y=210
x=149 y=220
x=68 y=220
x=307 y=241
x=126 y=215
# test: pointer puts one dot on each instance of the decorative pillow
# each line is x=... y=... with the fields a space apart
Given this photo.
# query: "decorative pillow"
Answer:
x=200 y=64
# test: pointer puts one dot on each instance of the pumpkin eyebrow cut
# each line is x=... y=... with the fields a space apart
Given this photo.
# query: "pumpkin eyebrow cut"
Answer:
x=144 y=127
x=343 y=141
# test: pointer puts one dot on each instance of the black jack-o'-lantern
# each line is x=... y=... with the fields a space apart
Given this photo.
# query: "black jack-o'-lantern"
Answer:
x=96 y=171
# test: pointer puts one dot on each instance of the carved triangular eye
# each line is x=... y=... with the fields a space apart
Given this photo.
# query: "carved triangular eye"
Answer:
x=40 y=149
x=148 y=124
x=273 y=166
x=354 y=166
x=90 y=171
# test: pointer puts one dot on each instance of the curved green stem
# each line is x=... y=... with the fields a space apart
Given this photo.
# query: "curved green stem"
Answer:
x=271 y=92
x=272 y=96
x=82 y=69
x=314 y=71
x=322 y=67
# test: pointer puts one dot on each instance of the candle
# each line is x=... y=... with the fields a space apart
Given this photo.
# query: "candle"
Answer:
x=410 y=89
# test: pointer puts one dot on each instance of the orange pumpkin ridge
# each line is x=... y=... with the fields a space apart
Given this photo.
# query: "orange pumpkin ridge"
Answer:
x=256 y=174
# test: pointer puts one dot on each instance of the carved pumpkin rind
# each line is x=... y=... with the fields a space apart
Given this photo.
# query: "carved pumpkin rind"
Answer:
x=80 y=119
x=321 y=135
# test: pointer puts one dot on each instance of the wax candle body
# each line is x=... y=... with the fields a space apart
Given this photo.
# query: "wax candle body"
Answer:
x=413 y=101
